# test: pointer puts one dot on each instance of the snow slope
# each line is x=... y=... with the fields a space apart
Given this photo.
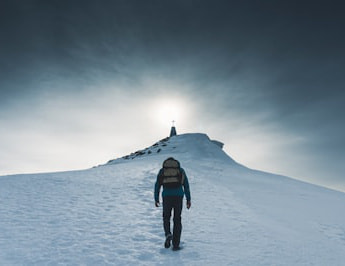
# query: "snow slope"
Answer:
x=106 y=215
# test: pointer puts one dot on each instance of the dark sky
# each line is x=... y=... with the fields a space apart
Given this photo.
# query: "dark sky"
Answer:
x=265 y=77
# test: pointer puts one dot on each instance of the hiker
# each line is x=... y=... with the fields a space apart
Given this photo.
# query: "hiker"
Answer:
x=175 y=184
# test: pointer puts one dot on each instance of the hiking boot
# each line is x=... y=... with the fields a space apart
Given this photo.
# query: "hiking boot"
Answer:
x=168 y=241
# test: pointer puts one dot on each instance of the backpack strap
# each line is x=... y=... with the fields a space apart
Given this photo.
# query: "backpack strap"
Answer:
x=183 y=177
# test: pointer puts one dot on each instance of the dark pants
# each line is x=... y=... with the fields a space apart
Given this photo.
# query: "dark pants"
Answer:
x=170 y=203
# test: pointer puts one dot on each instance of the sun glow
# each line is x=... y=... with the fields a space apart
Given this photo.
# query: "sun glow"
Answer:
x=165 y=111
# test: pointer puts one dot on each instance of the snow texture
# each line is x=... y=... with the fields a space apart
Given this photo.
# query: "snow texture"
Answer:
x=106 y=215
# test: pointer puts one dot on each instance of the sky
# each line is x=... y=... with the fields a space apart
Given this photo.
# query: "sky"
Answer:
x=83 y=82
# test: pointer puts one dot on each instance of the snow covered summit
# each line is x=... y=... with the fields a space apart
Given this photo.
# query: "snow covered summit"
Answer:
x=196 y=145
x=106 y=215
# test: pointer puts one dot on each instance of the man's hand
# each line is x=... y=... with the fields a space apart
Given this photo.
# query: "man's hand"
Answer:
x=157 y=204
x=189 y=204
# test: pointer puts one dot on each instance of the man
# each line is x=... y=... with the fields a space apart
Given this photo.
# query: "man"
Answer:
x=175 y=185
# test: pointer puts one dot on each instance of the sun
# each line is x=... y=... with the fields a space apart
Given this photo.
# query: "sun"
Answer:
x=167 y=110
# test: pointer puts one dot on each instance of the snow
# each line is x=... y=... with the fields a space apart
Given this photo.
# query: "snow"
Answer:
x=106 y=215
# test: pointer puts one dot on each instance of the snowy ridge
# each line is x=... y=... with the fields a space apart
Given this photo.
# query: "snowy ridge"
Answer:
x=106 y=215
x=185 y=145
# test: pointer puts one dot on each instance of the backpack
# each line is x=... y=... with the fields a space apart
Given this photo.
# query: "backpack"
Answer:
x=171 y=174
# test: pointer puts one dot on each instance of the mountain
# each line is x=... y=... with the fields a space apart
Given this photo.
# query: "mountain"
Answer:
x=186 y=146
x=106 y=215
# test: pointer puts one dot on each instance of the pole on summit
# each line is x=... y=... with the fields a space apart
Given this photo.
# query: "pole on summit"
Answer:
x=173 y=129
